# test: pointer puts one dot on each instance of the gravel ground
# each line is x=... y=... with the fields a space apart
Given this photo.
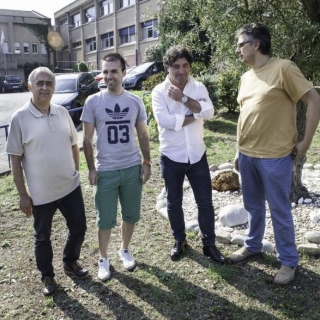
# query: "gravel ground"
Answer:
x=302 y=213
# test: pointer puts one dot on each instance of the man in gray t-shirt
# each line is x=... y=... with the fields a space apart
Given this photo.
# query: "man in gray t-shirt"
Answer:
x=116 y=115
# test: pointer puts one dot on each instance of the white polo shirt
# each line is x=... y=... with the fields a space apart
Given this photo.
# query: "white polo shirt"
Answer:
x=45 y=144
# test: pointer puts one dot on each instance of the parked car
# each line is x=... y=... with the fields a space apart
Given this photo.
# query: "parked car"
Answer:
x=134 y=79
x=99 y=77
x=94 y=72
x=72 y=90
x=102 y=85
x=10 y=83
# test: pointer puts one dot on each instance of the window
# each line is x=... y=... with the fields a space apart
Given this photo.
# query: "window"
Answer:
x=107 y=40
x=127 y=35
x=76 y=44
x=76 y=21
x=26 y=47
x=91 y=44
x=90 y=14
x=63 y=22
x=126 y=3
x=35 y=48
x=148 y=29
x=43 y=48
x=17 y=49
x=106 y=7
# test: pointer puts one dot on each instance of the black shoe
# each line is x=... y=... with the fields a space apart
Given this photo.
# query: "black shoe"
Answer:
x=49 y=286
x=178 y=249
x=214 y=253
x=75 y=270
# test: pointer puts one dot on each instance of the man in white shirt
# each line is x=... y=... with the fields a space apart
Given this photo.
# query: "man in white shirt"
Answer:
x=180 y=104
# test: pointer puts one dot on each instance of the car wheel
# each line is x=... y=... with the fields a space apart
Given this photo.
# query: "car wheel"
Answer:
x=139 y=85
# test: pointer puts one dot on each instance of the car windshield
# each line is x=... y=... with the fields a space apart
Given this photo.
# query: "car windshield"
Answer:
x=65 y=85
x=142 y=68
x=16 y=79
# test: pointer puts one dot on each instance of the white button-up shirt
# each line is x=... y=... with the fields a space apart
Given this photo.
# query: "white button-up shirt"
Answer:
x=181 y=143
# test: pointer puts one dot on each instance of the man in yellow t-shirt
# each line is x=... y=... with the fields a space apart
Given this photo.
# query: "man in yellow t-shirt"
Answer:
x=267 y=143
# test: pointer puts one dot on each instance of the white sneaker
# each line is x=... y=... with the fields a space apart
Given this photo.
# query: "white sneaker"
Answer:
x=127 y=260
x=104 y=269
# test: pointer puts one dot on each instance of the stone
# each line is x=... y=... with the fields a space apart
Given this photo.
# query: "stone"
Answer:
x=313 y=236
x=314 y=217
x=309 y=248
x=227 y=180
x=223 y=236
x=162 y=194
x=300 y=201
x=213 y=168
x=267 y=246
x=164 y=213
x=192 y=225
x=317 y=167
x=226 y=165
x=307 y=200
x=308 y=166
x=238 y=239
x=161 y=204
x=233 y=215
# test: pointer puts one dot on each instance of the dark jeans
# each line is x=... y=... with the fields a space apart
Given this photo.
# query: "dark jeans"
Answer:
x=72 y=208
x=199 y=177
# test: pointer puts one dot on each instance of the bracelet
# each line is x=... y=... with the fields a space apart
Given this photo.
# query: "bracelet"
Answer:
x=147 y=162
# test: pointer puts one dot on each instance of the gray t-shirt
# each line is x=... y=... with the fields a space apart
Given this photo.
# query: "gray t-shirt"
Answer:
x=115 y=118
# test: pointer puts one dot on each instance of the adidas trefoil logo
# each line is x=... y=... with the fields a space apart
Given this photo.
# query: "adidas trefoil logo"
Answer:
x=117 y=113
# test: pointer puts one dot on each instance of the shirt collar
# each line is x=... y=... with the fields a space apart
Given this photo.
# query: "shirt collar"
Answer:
x=39 y=114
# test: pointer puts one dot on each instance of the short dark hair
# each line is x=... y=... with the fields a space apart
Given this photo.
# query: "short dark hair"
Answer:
x=115 y=57
x=260 y=32
x=174 y=53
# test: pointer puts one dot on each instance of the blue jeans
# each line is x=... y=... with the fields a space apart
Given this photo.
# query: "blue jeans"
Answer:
x=72 y=208
x=199 y=177
x=269 y=179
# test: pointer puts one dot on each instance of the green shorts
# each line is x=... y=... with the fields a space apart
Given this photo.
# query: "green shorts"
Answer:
x=124 y=185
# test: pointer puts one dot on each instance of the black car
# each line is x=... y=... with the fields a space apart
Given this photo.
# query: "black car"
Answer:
x=133 y=80
x=72 y=90
x=10 y=83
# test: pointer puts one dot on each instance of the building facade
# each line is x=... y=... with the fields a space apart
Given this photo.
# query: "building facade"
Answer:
x=20 y=40
x=92 y=28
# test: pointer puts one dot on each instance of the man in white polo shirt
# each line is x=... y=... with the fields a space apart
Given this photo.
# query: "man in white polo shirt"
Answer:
x=42 y=143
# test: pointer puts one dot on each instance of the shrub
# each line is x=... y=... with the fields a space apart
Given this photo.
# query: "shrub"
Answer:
x=154 y=53
x=209 y=81
x=82 y=67
x=152 y=81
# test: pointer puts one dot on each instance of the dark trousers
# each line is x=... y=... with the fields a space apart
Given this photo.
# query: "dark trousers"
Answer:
x=198 y=175
x=72 y=208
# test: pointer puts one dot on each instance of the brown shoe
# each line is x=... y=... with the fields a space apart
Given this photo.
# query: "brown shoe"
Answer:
x=49 y=286
x=75 y=270
x=242 y=254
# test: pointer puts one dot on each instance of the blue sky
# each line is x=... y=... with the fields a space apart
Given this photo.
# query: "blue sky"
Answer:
x=46 y=8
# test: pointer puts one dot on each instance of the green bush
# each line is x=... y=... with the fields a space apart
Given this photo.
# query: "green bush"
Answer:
x=82 y=67
x=198 y=68
x=152 y=81
x=154 y=53
x=209 y=81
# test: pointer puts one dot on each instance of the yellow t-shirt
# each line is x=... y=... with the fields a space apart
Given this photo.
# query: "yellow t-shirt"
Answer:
x=267 y=99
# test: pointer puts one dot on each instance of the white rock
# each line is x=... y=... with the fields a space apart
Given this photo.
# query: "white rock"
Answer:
x=307 y=200
x=309 y=248
x=162 y=194
x=238 y=239
x=313 y=236
x=314 y=217
x=293 y=205
x=300 y=201
x=186 y=184
x=267 y=246
x=226 y=165
x=223 y=236
x=191 y=225
x=317 y=167
x=228 y=229
x=163 y=212
x=161 y=204
x=308 y=166
x=233 y=215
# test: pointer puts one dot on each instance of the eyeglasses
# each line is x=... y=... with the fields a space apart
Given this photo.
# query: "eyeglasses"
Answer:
x=241 y=44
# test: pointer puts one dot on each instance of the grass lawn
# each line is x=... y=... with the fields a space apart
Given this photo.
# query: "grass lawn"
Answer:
x=192 y=288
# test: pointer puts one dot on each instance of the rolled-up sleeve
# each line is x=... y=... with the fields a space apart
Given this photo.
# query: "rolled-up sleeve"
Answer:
x=207 y=109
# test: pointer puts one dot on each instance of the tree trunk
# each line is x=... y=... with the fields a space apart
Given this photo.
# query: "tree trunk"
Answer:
x=298 y=190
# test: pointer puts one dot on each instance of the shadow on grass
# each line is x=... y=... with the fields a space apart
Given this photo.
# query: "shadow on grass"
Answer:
x=295 y=301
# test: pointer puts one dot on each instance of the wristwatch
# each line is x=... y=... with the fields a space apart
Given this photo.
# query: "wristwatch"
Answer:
x=184 y=99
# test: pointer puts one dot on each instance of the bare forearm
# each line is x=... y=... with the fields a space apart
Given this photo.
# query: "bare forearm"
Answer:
x=88 y=152
x=145 y=146
x=76 y=156
x=188 y=119
x=17 y=173
x=193 y=105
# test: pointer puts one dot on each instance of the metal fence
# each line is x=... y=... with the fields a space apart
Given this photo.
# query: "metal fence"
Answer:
x=5 y=165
